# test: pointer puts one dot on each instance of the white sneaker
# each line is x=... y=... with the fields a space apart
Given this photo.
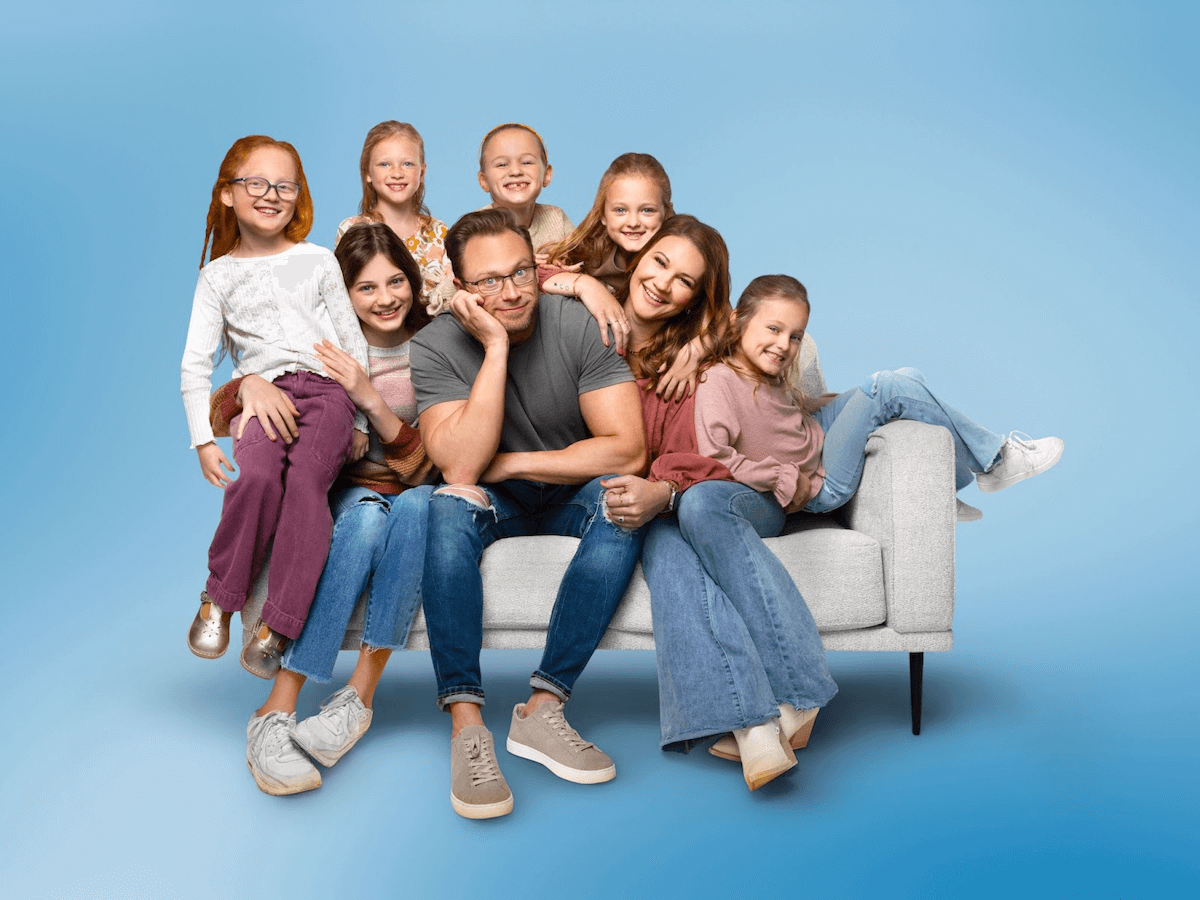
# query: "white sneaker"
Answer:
x=330 y=734
x=965 y=512
x=1021 y=457
x=277 y=764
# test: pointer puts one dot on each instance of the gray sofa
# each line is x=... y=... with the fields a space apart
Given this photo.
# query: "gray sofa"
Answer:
x=878 y=574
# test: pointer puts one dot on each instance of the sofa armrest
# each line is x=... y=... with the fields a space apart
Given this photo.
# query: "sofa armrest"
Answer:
x=906 y=503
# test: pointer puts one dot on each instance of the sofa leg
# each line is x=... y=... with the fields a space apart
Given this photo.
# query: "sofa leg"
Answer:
x=916 y=671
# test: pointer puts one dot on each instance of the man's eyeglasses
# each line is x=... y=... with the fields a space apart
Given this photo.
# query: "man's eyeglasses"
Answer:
x=495 y=283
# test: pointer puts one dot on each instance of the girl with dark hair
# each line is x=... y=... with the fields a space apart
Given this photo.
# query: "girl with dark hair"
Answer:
x=379 y=504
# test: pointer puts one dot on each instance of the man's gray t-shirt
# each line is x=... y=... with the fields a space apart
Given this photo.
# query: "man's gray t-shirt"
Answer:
x=564 y=358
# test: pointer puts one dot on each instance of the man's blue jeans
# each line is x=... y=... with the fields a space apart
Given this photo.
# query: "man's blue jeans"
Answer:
x=591 y=589
x=849 y=419
x=734 y=637
x=378 y=537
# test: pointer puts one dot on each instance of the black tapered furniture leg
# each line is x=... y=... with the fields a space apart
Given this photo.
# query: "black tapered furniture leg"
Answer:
x=916 y=672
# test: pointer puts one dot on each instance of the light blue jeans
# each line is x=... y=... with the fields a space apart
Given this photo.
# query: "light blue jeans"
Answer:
x=734 y=637
x=376 y=537
x=849 y=419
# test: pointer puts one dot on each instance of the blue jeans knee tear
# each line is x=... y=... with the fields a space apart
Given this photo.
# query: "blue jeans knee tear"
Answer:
x=471 y=493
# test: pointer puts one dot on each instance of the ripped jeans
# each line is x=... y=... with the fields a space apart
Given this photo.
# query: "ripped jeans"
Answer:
x=590 y=591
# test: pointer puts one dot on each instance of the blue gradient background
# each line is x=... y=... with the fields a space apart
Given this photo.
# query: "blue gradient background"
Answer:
x=1003 y=195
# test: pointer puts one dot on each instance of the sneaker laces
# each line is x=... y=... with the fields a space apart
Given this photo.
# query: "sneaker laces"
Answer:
x=481 y=762
x=335 y=712
x=276 y=731
x=556 y=720
x=1021 y=439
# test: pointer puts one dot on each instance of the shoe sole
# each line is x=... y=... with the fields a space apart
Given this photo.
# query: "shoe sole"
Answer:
x=798 y=742
x=328 y=760
x=282 y=790
x=481 y=810
x=578 y=776
x=758 y=779
x=990 y=487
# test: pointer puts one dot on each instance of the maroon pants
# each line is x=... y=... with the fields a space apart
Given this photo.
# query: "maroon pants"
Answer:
x=281 y=492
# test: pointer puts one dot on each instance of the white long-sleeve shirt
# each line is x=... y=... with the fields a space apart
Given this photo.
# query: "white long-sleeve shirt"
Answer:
x=275 y=308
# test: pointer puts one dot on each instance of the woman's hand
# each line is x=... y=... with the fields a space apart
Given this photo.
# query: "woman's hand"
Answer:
x=358 y=447
x=348 y=372
x=633 y=501
x=679 y=380
x=272 y=407
x=211 y=461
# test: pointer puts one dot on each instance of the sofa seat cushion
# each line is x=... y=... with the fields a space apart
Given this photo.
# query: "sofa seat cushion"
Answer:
x=839 y=573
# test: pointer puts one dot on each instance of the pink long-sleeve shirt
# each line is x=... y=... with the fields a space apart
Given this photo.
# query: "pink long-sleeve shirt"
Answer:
x=757 y=431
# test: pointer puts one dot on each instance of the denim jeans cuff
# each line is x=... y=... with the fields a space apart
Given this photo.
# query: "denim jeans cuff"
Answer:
x=539 y=681
x=460 y=695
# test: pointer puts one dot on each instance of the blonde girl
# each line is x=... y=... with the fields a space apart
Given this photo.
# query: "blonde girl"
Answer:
x=267 y=296
x=392 y=169
x=513 y=170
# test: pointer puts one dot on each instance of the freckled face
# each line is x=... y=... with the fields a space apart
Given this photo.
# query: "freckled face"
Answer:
x=395 y=170
x=633 y=212
x=263 y=217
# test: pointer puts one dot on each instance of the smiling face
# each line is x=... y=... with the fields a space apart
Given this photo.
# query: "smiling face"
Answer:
x=633 y=212
x=495 y=256
x=395 y=170
x=261 y=220
x=664 y=282
x=382 y=297
x=771 y=338
x=513 y=171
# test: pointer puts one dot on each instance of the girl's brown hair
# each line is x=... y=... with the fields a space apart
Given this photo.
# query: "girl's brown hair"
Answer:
x=221 y=225
x=370 y=197
x=709 y=310
x=764 y=287
x=362 y=243
x=589 y=242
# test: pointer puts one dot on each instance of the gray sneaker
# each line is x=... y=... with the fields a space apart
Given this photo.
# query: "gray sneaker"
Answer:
x=477 y=787
x=544 y=736
x=330 y=734
x=276 y=763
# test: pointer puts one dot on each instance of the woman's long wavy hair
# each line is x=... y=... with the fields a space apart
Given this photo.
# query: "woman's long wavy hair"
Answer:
x=362 y=243
x=221 y=225
x=589 y=242
x=709 y=310
x=370 y=198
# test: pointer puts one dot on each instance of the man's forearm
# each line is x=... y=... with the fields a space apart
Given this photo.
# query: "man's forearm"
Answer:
x=576 y=464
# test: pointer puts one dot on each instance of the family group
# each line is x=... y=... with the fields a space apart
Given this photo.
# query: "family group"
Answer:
x=421 y=392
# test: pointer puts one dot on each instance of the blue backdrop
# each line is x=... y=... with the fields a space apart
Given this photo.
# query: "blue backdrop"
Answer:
x=1003 y=195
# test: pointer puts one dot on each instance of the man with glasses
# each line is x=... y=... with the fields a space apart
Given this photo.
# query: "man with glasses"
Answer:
x=523 y=408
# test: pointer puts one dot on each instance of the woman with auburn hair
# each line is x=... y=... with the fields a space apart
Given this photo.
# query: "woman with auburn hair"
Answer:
x=748 y=661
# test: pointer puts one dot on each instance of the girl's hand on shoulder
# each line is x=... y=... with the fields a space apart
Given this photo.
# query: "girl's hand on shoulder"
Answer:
x=272 y=407
x=679 y=380
x=346 y=371
x=633 y=501
x=358 y=448
x=211 y=461
x=599 y=301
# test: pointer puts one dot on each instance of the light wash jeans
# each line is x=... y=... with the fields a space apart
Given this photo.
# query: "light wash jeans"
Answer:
x=376 y=537
x=849 y=419
x=734 y=637
x=588 y=595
